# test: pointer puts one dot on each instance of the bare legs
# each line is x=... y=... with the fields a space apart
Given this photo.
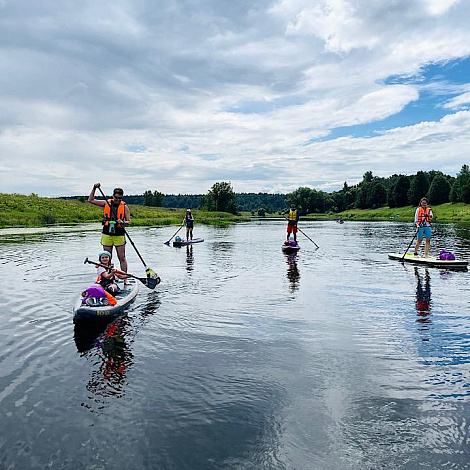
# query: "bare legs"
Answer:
x=121 y=254
x=426 y=247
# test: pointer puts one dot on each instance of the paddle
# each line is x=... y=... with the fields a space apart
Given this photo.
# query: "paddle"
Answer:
x=412 y=240
x=168 y=242
x=149 y=282
x=308 y=237
x=149 y=271
x=304 y=234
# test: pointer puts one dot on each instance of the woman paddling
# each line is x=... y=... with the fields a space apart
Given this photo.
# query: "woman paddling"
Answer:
x=116 y=217
x=423 y=216
x=189 y=222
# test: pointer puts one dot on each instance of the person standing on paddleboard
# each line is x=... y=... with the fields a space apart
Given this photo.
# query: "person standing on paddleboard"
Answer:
x=189 y=222
x=292 y=220
x=423 y=216
x=116 y=217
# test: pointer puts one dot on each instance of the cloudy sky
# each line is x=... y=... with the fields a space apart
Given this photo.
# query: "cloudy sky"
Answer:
x=268 y=94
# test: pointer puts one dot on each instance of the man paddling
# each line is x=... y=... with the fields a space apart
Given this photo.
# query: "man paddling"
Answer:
x=292 y=220
x=116 y=216
x=423 y=216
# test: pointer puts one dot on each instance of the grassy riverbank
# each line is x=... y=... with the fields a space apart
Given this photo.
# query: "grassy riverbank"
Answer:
x=32 y=211
x=444 y=213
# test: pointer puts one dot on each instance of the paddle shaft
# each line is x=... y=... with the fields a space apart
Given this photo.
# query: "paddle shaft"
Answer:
x=116 y=270
x=412 y=240
x=307 y=237
x=168 y=242
x=150 y=282
x=124 y=228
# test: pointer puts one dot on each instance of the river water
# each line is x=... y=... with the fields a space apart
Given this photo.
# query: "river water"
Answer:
x=242 y=358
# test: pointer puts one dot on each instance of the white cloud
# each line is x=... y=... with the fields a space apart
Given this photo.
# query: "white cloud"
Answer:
x=177 y=97
x=459 y=101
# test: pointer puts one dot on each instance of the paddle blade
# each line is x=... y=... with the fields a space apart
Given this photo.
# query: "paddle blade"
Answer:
x=151 y=273
x=167 y=243
x=151 y=282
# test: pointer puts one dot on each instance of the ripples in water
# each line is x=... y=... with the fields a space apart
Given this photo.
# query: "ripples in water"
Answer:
x=242 y=357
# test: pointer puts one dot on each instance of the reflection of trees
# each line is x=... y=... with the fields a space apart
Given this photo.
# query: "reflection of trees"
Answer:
x=189 y=258
x=293 y=272
x=423 y=299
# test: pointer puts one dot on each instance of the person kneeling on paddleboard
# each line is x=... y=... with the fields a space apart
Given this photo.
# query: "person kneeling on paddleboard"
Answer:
x=423 y=216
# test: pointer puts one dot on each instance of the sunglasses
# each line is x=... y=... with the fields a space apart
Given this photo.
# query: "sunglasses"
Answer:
x=117 y=197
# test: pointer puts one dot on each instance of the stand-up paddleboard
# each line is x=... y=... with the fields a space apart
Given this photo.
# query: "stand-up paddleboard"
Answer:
x=187 y=242
x=290 y=249
x=429 y=261
x=84 y=312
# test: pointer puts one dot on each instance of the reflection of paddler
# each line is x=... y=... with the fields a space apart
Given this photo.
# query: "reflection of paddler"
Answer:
x=293 y=272
x=189 y=258
x=423 y=294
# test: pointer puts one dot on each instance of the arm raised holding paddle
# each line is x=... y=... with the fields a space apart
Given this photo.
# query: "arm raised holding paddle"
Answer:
x=121 y=217
x=116 y=216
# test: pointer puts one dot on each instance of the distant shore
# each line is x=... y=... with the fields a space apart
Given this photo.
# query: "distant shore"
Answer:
x=34 y=211
x=443 y=213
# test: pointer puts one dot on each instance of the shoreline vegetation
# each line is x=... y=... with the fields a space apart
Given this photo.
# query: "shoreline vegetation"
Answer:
x=34 y=211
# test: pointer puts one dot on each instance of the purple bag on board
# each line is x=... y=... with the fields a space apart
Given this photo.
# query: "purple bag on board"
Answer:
x=445 y=255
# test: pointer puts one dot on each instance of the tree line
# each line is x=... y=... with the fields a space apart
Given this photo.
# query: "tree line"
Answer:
x=395 y=191
x=372 y=192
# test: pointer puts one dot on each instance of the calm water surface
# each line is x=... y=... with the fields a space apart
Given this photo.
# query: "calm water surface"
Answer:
x=242 y=358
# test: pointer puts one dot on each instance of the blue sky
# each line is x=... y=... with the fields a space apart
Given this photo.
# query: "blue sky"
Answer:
x=269 y=95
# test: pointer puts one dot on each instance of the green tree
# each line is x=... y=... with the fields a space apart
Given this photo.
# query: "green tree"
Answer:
x=154 y=199
x=460 y=189
x=221 y=197
x=310 y=200
x=454 y=195
x=464 y=184
x=377 y=195
x=439 y=190
x=398 y=195
x=418 y=188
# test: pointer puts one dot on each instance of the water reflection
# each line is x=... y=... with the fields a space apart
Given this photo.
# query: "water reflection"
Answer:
x=113 y=354
x=108 y=347
x=293 y=273
x=423 y=300
x=189 y=258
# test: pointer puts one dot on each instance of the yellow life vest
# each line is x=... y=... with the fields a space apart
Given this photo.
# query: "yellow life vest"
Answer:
x=293 y=215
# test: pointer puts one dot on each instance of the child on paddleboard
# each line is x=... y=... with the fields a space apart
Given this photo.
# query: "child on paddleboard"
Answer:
x=107 y=276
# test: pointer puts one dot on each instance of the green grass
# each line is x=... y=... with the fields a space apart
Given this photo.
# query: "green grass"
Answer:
x=32 y=211
x=444 y=213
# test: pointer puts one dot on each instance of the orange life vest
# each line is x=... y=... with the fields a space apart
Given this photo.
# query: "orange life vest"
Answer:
x=119 y=214
x=423 y=215
x=111 y=299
